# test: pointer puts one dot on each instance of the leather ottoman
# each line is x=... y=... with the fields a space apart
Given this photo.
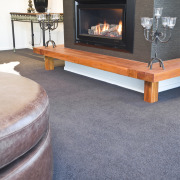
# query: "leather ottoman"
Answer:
x=25 y=144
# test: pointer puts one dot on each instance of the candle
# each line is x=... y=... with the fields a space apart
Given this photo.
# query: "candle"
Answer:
x=158 y=12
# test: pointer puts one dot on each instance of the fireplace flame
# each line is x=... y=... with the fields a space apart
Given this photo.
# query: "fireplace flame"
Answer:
x=98 y=30
x=120 y=28
x=113 y=30
x=105 y=27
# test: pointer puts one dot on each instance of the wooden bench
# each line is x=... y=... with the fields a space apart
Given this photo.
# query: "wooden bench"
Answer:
x=130 y=68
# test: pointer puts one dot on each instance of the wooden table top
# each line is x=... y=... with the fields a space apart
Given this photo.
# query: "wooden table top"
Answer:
x=33 y=14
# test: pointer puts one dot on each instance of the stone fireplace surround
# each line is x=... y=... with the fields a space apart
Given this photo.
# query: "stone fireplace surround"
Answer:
x=143 y=50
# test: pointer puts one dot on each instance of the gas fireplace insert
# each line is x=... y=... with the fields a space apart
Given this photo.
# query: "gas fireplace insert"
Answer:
x=108 y=23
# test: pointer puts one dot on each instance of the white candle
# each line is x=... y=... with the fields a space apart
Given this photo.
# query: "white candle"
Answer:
x=158 y=12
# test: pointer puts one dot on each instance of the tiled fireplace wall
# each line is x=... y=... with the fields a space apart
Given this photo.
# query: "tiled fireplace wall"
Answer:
x=170 y=50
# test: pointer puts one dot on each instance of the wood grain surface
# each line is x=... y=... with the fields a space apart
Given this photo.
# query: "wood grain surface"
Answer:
x=151 y=91
x=126 y=67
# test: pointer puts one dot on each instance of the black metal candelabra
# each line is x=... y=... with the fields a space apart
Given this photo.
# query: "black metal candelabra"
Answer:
x=155 y=36
x=48 y=22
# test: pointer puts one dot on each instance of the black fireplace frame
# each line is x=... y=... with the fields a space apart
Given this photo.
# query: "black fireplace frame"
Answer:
x=127 y=42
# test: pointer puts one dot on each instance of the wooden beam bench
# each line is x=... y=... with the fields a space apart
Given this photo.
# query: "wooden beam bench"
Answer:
x=130 y=68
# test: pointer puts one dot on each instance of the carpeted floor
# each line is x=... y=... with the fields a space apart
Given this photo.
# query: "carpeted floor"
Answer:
x=105 y=132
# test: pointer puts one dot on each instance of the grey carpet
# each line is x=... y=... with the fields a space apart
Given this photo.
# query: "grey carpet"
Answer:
x=105 y=132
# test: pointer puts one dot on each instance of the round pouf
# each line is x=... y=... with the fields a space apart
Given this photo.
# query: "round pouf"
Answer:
x=25 y=145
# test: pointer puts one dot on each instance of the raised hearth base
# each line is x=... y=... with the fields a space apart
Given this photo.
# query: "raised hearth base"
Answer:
x=125 y=67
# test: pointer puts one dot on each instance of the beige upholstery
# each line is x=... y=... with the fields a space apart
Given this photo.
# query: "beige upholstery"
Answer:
x=24 y=120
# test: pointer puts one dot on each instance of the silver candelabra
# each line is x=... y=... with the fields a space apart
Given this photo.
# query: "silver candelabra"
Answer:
x=153 y=35
x=49 y=22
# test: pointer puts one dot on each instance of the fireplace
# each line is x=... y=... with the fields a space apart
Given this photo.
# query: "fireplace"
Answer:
x=132 y=43
x=105 y=23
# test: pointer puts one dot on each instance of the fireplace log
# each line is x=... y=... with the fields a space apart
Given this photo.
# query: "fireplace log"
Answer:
x=109 y=31
x=112 y=32
x=98 y=26
x=90 y=31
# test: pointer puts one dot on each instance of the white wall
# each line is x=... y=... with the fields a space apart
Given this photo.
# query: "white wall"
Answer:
x=22 y=29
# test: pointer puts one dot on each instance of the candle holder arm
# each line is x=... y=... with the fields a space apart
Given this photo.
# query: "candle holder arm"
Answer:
x=55 y=25
x=147 y=36
x=43 y=25
x=162 y=40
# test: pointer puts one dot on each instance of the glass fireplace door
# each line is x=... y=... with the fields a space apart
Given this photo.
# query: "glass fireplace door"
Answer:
x=105 y=24
x=101 y=22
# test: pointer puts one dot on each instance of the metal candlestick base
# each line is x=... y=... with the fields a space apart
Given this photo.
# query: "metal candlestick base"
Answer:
x=53 y=43
x=154 y=60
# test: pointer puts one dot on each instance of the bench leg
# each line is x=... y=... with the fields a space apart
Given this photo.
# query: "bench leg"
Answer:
x=49 y=63
x=151 y=91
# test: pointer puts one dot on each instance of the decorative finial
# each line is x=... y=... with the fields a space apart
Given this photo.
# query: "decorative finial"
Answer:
x=30 y=7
